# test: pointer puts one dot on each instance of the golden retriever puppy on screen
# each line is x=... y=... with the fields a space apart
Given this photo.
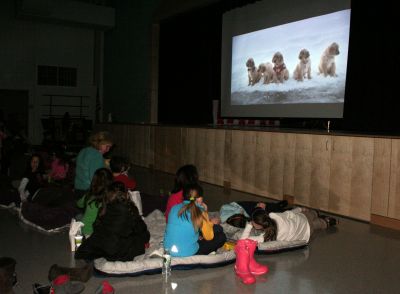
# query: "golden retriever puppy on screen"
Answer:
x=281 y=72
x=327 y=65
x=267 y=72
x=303 y=68
x=252 y=72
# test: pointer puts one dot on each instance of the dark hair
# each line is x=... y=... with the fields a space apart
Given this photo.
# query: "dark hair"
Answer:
x=118 y=164
x=261 y=217
x=185 y=175
x=101 y=180
x=238 y=220
x=40 y=168
x=188 y=188
x=116 y=192
x=59 y=152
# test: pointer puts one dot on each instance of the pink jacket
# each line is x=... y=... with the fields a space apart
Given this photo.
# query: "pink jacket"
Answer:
x=58 y=171
x=173 y=200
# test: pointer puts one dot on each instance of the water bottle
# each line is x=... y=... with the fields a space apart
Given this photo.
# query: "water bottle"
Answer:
x=166 y=267
x=78 y=239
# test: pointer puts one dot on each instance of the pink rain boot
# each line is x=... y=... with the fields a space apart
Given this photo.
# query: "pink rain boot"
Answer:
x=242 y=263
x=254 y=267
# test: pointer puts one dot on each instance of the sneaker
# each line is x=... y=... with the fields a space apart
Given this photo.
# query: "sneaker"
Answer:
x=82 y=274
x=41 y=289
x=63 y=285
x=105 y=288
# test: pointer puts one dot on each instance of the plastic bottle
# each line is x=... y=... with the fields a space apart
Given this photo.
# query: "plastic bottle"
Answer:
x=78 y=239
x=166 y=267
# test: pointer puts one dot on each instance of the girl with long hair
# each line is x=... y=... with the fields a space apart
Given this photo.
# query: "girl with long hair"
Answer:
x=119 y=231
x=33 y=178
x=296 y=224
x=185 y=175
x=189 y=230
x=93 y=200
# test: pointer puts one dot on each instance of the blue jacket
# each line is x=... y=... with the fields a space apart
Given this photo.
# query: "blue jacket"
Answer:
x=88 y=161
x=180 y=237
x=229 y=209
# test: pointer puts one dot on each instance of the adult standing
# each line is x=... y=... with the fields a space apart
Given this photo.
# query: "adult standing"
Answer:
x=89 y=160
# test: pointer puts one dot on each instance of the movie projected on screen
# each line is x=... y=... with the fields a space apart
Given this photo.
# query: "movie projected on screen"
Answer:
x=283 y=68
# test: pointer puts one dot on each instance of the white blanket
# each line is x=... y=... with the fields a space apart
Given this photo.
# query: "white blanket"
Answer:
x=151 y=261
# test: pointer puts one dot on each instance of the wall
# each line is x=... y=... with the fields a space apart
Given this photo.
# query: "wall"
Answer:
x=26 y=44
x=127 y=55
x=131 y=57
x=350 y=175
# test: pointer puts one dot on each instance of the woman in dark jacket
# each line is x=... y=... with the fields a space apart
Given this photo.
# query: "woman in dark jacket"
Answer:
x=119 y=231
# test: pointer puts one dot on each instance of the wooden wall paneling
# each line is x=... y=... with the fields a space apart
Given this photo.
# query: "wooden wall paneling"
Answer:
x=216 y=161
x=340 y=175
x=188 y=145
x=208 y=154
x=350 y=176
x=160 y=148
x=227 y=158
x=121 y=148
x=144 y=145
x=139 y=143
x=394 y=193
x=302 y=176
x=262 y=163
x=249 y=164
x=117 y=133
x=145 y=150
x=200 y=158
x=381 y=176
x=289 y=155
x=237 y=160
x=151 y=153
x=212 y=157
x=125 y=139
x=320 y=172
x=131 y=147
x=173 y=149
x=361 y=177
x=277 y=165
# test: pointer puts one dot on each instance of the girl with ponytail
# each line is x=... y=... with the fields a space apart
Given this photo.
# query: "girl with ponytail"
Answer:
x=189 y=230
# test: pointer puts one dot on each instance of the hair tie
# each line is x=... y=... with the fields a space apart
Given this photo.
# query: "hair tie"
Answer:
x=191 y=198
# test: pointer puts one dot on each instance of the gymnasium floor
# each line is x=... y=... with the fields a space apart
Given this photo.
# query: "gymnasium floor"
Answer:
x=355 y=257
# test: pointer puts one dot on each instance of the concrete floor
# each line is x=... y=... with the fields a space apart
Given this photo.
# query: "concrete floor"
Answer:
x=355 y=257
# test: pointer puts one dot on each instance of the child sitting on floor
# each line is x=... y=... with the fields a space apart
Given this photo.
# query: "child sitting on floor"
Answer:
x=93 y=200
x=33 y=178
x=119 y=168
x=189 y=230
x=186 y=174
x=119 y=232
x=59 y=166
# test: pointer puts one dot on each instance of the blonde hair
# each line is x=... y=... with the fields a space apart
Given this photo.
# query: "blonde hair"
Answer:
x=100 y=138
